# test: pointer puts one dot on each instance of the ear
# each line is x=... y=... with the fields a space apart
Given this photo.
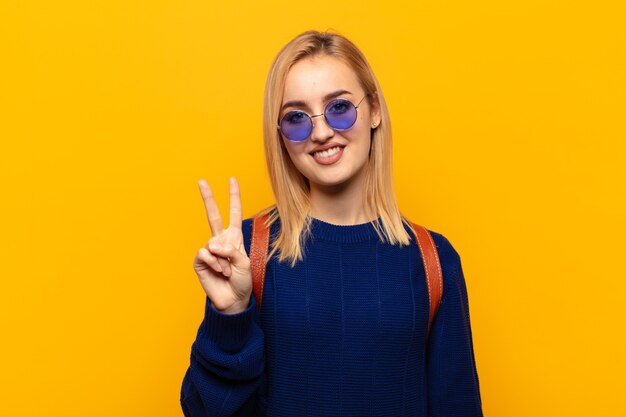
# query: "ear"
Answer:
x=375 y=116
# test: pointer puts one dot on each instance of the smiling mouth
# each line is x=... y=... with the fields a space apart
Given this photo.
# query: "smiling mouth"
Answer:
x=326 y=153
x=328 y=156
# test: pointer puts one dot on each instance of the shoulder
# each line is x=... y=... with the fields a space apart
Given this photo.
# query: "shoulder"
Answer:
x=246 y=230
x=448 y=255
x=451 y=269
x=449 y=258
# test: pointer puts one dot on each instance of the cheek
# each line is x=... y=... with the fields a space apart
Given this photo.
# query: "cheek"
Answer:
x=360 y=134
x=293 y=152
x=363 y=126
x=287 y=150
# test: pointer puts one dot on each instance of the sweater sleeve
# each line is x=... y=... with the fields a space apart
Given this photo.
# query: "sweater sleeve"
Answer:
x=226 y=374
x=453 y=387
x=226 y=368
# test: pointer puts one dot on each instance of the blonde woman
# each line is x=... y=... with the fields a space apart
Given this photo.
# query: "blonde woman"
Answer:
x=342 y=329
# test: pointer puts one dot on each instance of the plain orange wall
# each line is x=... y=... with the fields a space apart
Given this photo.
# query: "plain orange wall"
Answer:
x=509 y=139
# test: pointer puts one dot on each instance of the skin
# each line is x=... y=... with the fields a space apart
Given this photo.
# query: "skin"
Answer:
x=222 y=266
x=337 y=189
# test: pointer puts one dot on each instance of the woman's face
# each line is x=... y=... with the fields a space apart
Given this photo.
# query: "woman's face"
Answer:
x=328 y=158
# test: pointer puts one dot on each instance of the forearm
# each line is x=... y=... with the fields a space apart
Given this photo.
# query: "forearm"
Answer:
x=453 y=385
x=226 y=364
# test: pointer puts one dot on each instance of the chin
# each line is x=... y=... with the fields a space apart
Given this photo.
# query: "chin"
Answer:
x=329 y=182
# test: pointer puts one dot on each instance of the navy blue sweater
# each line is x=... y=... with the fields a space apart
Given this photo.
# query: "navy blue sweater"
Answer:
x=343 y=333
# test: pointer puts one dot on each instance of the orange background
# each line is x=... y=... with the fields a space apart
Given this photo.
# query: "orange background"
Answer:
x=509 y=139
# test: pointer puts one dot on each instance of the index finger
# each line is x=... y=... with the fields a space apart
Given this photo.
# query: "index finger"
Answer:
x=212 y=212
x=235 y=203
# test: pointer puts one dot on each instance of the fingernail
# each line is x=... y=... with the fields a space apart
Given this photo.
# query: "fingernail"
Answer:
x=215 y=246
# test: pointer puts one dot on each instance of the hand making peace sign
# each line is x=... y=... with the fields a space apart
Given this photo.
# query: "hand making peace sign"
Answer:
x=222 y=266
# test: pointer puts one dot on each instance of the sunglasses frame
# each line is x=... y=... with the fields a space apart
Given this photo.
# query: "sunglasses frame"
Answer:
x=356 y=109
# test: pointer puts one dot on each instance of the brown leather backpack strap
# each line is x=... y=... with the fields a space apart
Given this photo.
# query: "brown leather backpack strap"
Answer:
x=258 y=255
x=432 y=267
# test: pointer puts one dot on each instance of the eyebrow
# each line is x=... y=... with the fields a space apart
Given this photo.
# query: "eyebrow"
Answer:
x=300 y=103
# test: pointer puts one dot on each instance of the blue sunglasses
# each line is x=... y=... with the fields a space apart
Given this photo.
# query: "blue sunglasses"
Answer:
x=340 y=114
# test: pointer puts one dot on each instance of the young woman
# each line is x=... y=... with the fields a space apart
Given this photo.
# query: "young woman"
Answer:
x=342 y=328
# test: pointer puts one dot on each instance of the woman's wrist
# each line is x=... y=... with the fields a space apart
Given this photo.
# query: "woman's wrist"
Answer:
x=236 y=308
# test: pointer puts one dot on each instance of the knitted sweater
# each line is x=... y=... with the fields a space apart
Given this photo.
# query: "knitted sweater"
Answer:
x=343 y=333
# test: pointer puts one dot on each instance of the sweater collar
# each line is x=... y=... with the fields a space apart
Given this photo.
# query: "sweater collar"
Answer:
x=344 y=233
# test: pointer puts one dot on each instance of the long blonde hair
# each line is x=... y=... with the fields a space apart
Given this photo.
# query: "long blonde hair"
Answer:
x=290 y=187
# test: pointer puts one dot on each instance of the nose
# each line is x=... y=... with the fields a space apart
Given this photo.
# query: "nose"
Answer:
x=321 y=131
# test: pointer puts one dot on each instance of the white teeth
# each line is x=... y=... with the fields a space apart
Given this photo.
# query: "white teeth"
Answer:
x=327 y=152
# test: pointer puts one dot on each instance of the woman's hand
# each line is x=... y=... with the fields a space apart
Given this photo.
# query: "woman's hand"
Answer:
x=222 y=266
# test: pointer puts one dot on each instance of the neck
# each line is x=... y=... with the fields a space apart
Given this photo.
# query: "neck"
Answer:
x=341 y=204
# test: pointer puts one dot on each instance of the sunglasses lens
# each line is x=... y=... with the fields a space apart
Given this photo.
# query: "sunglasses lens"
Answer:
x=296 y=126
x=340 y=114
